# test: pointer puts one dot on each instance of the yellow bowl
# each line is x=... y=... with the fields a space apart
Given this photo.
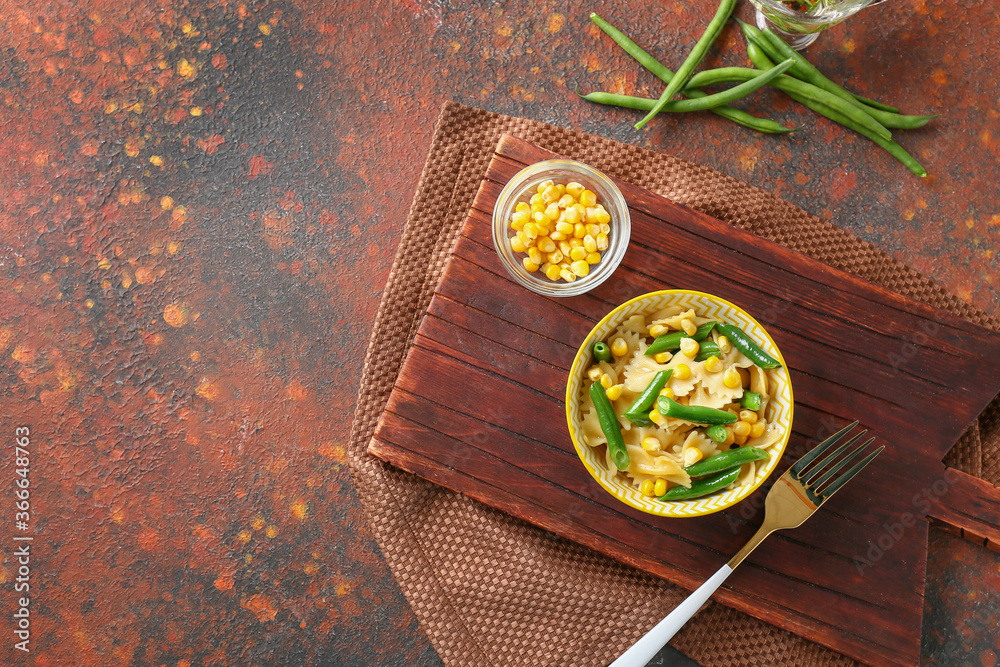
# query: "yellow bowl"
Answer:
x=778 y=411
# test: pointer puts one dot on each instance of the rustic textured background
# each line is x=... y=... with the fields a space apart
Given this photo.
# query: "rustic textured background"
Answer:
x=199 y=204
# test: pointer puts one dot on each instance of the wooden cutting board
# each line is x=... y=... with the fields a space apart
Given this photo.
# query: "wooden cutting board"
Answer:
x=478 y=408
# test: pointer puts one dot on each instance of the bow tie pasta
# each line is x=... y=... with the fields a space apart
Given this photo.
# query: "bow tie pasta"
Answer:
x=678 y=392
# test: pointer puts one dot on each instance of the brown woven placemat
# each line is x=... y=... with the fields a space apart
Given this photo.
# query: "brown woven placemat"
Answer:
x=491 y=590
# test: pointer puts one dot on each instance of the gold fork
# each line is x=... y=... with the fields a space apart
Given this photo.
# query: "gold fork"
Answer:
x=794 y=497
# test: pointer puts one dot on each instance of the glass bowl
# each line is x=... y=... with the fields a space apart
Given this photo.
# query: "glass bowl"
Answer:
x=778 y=412
x=522 y=186
x=801 y=28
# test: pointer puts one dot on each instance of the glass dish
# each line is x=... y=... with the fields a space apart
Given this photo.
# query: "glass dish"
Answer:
x=522 y=186
x=802 y=28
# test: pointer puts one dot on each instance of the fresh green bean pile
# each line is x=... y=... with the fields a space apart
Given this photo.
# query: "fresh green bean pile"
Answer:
x=775 y=64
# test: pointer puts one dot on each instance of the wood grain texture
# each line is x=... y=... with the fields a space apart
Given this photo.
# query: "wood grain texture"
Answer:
x=478 y=407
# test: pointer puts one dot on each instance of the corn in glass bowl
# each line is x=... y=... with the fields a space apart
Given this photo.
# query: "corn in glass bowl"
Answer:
x=523 y=186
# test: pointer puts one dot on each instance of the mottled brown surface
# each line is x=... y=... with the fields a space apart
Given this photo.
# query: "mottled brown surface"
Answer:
x=199 y=203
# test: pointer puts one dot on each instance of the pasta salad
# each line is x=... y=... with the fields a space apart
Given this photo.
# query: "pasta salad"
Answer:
x=678 y=402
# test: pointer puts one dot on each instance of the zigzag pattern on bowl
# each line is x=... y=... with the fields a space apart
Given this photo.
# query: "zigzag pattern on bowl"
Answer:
x=779 y=410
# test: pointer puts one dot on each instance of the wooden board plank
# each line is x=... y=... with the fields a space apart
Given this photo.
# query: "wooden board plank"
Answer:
x=478 y=407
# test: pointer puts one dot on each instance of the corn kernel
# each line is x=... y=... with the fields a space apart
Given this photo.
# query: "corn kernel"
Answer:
x=690 y=347
x=606 y=381
x=688 y=326
x=651 y=444
x=543 y=185
x=602 y=241
x=574 y=188
x=741 y=428
x=682 y=372
x=591 y=216
x=550 y=195
x=590 y=243
x=660 y=487
x=546 y=245
x=658 y=330
x=530 y=230
x=552 y=211
x=647 y=487
x=595 y=373
x=580 y=268
x=692 y=455
x=577 y=254
x=713 y=365
x=656 y=417
x=587 y=198
x=518 y=218
x=555 y=257
x=552 y=273
x=619 y=347
x=749 y=416
x=571 y=215
x=528 y=243
x=579 y=230
x=732 y=378
x=529 y=266
x=564 y=247
x=556 y=236
x=516 y=245
x=668 y=392
x=615 y=392
x=739 y=440
x=535 y=199
x=729 y=437
x=543 y=229
x=602 y=216
x=539 y=217
x=593 y=229
x=593 y=257
x=567 y=275
x=564 y=227
x=522 y=207
x=758 y=429
x=724 y=345
x=561 y=188
x=605 y=228
x=575 y=243
x=535 y=255
x=663 y=357
x=566 y=201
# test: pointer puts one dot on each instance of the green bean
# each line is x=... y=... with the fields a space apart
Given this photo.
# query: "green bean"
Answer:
x=610 y=426
x=821 y=101
x=672 y=341
x=716 y=433
x=638 y=412
x=734 y=458
x=702 y=487
x=693 y=60
x=704 y=103
x=653 y=65
x=751 y=400
x=602 y=352
x=760 y=59
x=668 y=407
x=708 y=349
x=808 y=72
x=875 y=104
x=747 y=346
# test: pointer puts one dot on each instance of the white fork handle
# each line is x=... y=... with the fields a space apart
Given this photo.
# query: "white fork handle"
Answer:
x=643 y=650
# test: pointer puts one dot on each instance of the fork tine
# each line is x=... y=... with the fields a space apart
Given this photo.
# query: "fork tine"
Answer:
x=846 y=477
x=819 y=449
x=828 y=475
